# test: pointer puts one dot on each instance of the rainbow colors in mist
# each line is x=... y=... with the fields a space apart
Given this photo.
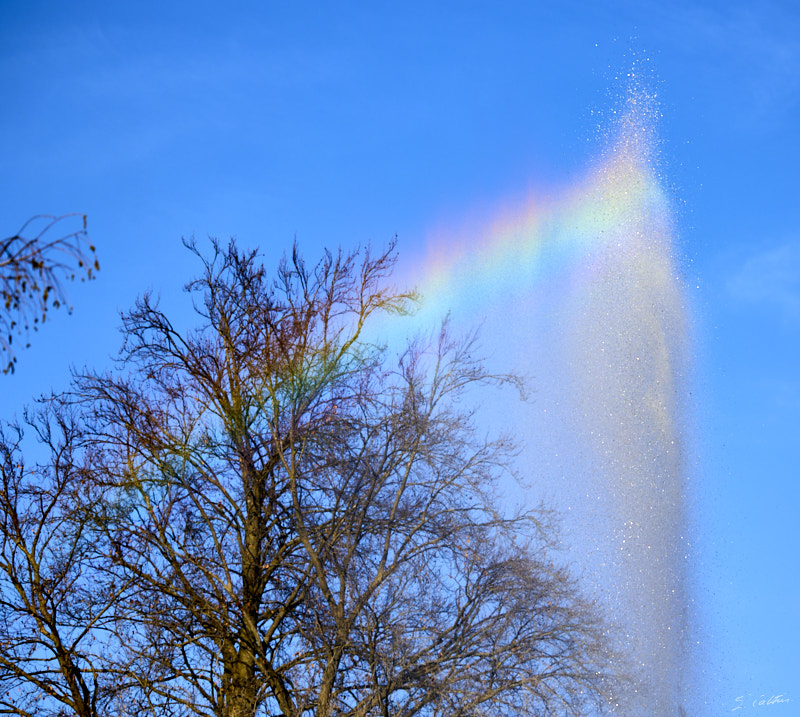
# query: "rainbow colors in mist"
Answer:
x=589 y=279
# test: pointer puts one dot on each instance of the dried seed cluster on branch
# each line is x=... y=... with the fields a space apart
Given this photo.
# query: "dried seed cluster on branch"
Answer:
x=269 y=516
x=33 y=264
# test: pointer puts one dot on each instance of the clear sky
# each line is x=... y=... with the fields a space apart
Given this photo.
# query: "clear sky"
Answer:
x=340 y=123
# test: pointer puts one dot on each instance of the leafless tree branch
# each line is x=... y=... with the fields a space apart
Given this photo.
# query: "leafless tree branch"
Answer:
x=34 y=263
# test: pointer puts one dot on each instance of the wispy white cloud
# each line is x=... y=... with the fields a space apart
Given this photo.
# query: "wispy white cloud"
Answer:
x=771 y=278
x=751 y=49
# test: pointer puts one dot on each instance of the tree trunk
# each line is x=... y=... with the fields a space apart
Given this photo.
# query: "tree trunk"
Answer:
x=239 y=690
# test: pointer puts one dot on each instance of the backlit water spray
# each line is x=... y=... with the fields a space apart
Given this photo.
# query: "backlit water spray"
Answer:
x=584 y=293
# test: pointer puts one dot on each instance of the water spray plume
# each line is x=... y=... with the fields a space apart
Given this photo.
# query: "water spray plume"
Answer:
x=626 y=341
x=600 y=261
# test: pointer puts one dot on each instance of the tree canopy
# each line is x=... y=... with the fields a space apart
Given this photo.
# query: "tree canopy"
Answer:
x=269 y=515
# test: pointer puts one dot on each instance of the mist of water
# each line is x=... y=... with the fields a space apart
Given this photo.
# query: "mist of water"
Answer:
x=583 y=291
x=626 y=362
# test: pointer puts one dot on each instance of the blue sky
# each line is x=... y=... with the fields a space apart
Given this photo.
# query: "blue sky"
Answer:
x=354 y=121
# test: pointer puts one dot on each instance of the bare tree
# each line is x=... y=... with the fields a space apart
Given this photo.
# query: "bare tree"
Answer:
x=56 y=607
x=33 y=264
x=305 y=527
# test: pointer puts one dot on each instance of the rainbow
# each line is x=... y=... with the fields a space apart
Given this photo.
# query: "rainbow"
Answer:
x=543 y=239
x=599 y=256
